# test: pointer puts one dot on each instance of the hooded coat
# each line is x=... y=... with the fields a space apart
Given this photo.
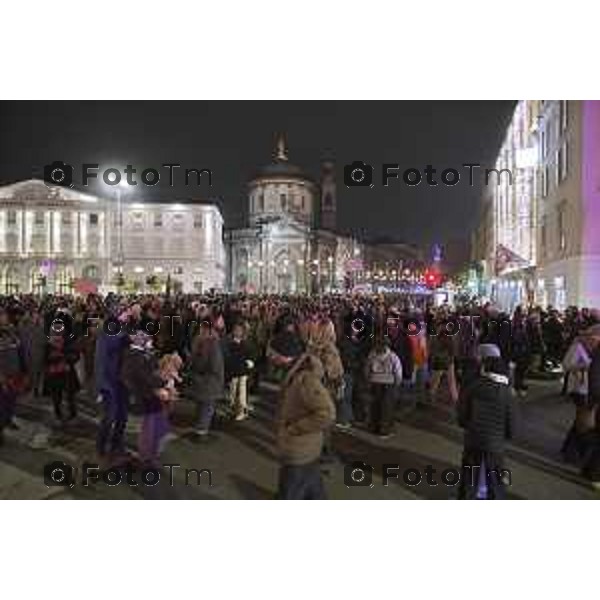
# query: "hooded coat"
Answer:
x=306 y=411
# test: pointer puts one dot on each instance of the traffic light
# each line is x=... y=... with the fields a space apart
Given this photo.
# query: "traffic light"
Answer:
x=433 y=278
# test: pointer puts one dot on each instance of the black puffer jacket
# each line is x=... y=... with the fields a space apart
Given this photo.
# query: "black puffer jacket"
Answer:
x=486 y=413
x=594 y=376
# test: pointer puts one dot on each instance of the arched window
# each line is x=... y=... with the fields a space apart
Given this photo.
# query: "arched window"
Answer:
x=91 y=272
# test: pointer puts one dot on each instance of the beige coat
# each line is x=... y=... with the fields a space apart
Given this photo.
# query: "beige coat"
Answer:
x=306 y=411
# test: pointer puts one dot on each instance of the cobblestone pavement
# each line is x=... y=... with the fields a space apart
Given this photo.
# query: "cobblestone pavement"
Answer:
x=243 y=463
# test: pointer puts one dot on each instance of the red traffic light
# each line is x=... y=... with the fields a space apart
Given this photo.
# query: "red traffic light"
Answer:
x=432 y=278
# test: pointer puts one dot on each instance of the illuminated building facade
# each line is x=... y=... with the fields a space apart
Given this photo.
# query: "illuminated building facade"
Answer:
x=569 y=204
x=52 y=239
x=290 y=244
x=541 y=243
x=512 y=251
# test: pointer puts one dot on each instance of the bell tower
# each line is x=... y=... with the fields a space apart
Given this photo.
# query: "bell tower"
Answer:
x=280 y=149
x=328 y=196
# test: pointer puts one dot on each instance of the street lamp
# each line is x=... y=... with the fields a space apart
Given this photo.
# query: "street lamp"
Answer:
x=330 y=261
x=119 y=189
x=300 y=264
x=261 y=264
x=317 y=273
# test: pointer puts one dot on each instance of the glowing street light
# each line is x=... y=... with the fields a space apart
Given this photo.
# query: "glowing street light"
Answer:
x=119 y=189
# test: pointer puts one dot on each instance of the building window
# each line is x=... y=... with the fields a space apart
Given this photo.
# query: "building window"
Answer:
x=178 y=271
x=544 y=235
x=283 y=200
x=93 y=219
x=562 y=162
x=137 y=220
x=39 y=217
x=65 y=217
x=91 y=272
x=303 y=202
x=198 y=221
x=560 y=297
x=12 y=217
x=543 y=145
x=562 y=239
x=178 y=221
x=157 y=219
x=261 y=202
x=544 y=181
x=563 y=114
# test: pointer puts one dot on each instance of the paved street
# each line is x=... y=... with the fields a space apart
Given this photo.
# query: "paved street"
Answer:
x=243 y=465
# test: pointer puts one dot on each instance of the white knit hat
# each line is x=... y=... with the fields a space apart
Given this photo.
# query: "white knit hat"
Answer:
x=489 y=351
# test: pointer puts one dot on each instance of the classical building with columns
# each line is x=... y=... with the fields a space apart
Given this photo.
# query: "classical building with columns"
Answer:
x=290 y=244
x=55 y=239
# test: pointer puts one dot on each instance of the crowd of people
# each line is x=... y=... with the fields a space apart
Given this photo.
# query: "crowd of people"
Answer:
x=338 y=360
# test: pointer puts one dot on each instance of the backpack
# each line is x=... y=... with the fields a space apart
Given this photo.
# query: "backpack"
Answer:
x=381 y=369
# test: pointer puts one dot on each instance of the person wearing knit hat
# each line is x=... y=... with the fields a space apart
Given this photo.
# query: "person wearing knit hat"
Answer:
x=141 y=375
x=489 y=351
x=485 y=412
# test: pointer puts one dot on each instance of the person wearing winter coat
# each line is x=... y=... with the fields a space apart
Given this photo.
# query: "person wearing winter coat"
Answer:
x=238 y=365
x=593 y=334
x=111 y=343
x=207 y=378
x=485 y=413
x=37 y=345
x=60 y=376
x=306 y=411
x=12 y=372
x=576 y=364
x=590 y=441
x=442 y=354
x=141 y=375
x=284 y=348
x=383 y=371
x=520 y=350
x=354 y=350
x=322 y=344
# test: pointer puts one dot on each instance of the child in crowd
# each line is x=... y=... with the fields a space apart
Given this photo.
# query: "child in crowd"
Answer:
x=237 y=367
x=169 y=367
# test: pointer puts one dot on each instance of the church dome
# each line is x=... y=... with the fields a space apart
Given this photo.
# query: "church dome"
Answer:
x=281 y=167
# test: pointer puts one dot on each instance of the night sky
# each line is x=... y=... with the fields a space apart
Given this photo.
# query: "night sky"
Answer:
x=235 y=138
